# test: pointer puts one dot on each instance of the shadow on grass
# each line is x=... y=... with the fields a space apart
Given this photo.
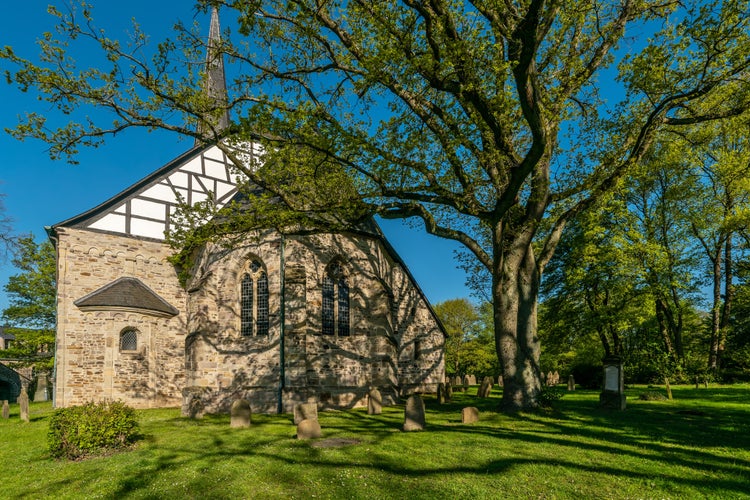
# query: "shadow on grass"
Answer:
x=587 y=439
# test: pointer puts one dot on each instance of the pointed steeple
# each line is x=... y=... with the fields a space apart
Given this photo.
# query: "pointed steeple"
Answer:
x=215 y=84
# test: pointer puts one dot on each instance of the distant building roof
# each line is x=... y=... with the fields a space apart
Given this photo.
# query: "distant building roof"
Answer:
x=6 y=336
x=129 y=294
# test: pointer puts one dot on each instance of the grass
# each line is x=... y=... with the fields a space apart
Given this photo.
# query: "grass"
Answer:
x=695 y=446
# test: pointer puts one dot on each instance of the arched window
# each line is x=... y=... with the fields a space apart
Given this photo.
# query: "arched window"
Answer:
x=129 y=339
x=254 y=300
x=335 y=314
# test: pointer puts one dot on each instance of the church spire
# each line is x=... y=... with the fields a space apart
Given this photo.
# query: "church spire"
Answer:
x=215 y=84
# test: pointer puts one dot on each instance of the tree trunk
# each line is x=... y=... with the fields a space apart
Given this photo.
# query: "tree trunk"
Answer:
x=726 y=314
x=515 y=291
x=713 y=359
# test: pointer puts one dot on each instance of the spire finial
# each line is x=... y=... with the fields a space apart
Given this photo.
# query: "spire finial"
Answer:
x=215 y=84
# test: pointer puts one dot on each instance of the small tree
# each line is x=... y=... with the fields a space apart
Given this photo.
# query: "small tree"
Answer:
x=32 y=297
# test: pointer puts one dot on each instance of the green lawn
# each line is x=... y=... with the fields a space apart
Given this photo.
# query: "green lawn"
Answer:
x=696 y=446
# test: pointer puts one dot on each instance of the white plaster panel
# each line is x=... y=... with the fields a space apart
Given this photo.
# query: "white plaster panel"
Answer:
x=161 y=192
x=110 y=222
x=195 y=165
x=146 y=208
x=216 y=170
x=214 y=153
x=147 y=228
x=179 y=179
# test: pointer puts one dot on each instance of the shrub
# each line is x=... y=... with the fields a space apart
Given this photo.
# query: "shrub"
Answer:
x=94 y=428
x=548 y=395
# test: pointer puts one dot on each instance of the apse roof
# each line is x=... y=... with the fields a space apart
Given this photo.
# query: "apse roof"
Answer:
x=128 y=294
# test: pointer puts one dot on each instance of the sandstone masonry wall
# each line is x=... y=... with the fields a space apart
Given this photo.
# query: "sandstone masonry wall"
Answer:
x=90 y=365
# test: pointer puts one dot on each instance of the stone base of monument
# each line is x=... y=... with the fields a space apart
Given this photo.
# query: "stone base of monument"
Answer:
x=612 y=400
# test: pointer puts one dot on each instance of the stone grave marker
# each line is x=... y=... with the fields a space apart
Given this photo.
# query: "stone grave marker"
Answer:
x=571 y=383
x=557 y=377
x=41 y=388
x=23 y=403
x=6 y=409
x=305 y=411
x=309 y=428
x=486 y=388
x=441 y=393
x=414 y=414
x=240 y=414
x=448 y=391
x=469 y=415
x=374 y=402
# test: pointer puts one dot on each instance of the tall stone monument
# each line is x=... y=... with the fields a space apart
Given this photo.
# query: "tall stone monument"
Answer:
x=613 y=386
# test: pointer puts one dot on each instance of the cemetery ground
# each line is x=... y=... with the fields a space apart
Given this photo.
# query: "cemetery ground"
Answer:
x=695 y=446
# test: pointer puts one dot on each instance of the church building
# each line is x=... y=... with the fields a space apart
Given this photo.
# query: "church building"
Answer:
x=277 y=319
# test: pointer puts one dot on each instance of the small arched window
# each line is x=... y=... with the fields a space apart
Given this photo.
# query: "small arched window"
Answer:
x=254 y=300
x=335 y=314
x=129 y=339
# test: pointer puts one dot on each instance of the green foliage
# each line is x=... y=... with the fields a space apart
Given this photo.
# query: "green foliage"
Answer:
x=548 y=396
x=94 y=428
x=32 y=294
x=470 y=348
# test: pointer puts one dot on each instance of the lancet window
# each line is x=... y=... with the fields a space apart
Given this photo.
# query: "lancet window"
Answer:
x=335 y=301
x=254 y=300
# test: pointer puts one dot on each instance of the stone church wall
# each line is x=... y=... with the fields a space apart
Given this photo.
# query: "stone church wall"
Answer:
x=89 y=363
x=335 y=371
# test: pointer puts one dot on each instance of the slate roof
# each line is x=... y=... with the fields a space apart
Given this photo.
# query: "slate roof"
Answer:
x=6 y=336
x=127 y=293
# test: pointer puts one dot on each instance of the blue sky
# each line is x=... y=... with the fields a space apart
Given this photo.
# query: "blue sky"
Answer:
x=40 y=192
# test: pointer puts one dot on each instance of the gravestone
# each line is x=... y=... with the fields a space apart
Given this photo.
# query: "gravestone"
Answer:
x=374 y=402
x=469 y=415
x=23 y=403
x=309 y=428
x=613 y=392
x=457 y=381
x=557 y=377
x=486 y=388
x=6 y=409
x=543 y=378
x=441 y=393
x=571 y=383
x=448 y=391
x=41 y=387
x=472 y=380
x=305 y=411
x=240 y=414
x=414 y=414
x=500 y=380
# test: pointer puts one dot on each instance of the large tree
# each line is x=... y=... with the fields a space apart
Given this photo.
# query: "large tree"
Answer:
x=450 y=112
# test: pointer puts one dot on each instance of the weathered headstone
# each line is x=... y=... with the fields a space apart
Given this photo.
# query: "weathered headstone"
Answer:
x=240 y=414
x=457 y=381
x=500 y=380
x=309 y=428
x=441 y=393
x=374 y=402
x=472 y=380
x=448 y=391
x=305 y=411
x=469 y=415
x=543 y=378
x=414 y=414
x=486 y=388
x=557 y=377
x=196 y=408
x=41 y=387
x=6 y=409
x=571 y=383
x=23 y=403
